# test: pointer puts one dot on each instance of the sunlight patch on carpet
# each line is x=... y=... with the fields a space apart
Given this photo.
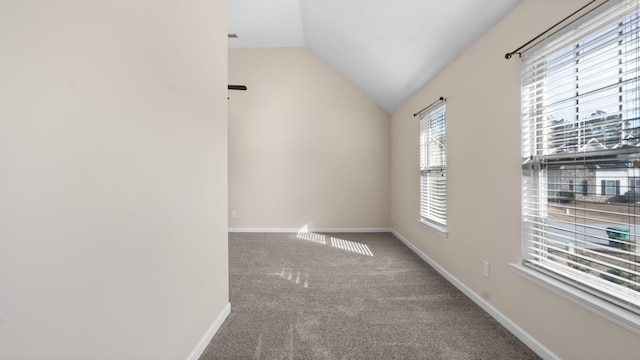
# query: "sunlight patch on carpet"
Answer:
x=337 y=243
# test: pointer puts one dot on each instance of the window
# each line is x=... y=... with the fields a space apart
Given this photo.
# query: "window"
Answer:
x=578 y=187
x=610 y=187
x=581 y=188
x=433 y=168
x=581 y=136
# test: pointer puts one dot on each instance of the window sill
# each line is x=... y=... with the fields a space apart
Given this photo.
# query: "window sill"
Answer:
x=436 y=228
x=620 y=316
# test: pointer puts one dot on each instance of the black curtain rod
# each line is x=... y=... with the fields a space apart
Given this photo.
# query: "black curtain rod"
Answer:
x=517 y=51
x=433 y=103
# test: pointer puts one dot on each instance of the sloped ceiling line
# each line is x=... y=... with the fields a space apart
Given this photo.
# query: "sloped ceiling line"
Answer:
x=387 y=49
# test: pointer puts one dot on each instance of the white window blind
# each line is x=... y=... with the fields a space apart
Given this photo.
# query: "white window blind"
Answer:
x=433 y=167
x=581 y=154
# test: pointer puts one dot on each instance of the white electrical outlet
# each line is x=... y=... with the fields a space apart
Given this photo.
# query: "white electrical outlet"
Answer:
x=233 y=214
x=485 y=268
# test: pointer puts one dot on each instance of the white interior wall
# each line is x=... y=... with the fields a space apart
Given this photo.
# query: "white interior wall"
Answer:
x=113 y=177
x=306 y=148
x=483 y=174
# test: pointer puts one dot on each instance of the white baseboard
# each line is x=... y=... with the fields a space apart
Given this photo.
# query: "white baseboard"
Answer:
x=527 y=339
x=316 y=230
x=213 y=329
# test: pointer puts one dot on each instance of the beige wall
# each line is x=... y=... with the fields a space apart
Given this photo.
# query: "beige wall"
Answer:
x=305 y=146
x=483 y=129
x=113 y=177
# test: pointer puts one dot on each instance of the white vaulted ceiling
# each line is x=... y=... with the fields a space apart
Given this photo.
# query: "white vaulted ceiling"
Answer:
x=389 y=49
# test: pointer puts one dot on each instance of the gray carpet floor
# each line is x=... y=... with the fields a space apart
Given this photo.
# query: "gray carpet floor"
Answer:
x=348 y=296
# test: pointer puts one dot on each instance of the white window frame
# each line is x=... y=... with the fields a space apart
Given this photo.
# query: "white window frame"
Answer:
x=613 y=301
x=433 y=169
